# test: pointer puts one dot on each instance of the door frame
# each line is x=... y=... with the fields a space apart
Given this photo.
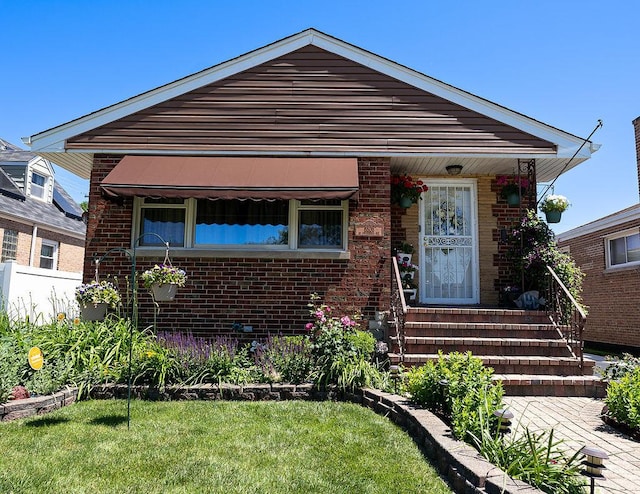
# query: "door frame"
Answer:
x=475 y=256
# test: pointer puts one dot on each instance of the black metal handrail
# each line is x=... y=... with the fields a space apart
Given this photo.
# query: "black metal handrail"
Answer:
x=398 y=306
x=566 y=314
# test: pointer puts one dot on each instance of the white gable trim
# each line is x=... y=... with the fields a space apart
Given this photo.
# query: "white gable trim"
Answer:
x=53 y=140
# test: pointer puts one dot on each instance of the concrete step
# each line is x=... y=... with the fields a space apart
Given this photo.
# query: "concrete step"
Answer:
x=487 y=346
x=481 y=329
x=513 y=364
x=540 y=385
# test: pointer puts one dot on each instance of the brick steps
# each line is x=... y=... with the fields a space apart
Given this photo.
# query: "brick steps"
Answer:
x=481 y=330
x=512 y=364
x=541 y=385
x=527 y=353
x=549 y=347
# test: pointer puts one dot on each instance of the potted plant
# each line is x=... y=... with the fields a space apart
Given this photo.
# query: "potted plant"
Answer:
x=512 y=188
x=407 y=270
x=95 y=298
x=409 y=288
x=553 y=206
x=163 y=281
x=405 y=252
x=406 y=191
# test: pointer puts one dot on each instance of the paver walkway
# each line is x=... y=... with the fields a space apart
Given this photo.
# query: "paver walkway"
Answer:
x=577 y=421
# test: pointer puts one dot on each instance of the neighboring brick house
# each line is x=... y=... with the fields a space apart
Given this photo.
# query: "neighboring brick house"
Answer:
x=270 y=175
x=40 y=224
x=608 y=251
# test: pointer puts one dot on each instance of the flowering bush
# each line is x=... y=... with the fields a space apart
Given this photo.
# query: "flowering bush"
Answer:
x=531 y=247
x=342 y=353
x=97 y=293
x=554 y=203
x=406 y=186
x=163 y=274
x=512 y=185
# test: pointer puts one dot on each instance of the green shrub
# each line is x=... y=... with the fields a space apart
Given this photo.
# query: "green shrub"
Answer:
x=623 y=399
x=619 y=367
x=531 y=247
x=455 y=386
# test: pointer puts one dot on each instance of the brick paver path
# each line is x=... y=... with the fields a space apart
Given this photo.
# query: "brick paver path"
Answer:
x=577 y=421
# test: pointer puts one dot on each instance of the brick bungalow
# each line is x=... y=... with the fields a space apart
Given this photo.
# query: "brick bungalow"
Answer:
x=270 y=176
x=608 y=251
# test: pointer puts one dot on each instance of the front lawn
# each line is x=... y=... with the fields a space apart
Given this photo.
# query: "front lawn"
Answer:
x=230 y=447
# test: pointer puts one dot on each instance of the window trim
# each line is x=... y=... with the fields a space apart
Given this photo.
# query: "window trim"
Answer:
x=190 y=205
x=607 y=247
x=44 y=186
x=54 y=257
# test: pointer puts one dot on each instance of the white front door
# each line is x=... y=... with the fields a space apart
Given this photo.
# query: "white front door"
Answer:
x=449 y=249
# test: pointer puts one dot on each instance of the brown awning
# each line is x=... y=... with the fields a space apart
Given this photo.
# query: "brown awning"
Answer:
x=234 y=178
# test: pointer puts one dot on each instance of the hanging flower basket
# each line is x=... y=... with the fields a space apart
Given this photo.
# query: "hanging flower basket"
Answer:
x=553 y=216
x=513 y=199
x=95 y=298
x=94 y=312
x=163 y=281
x=553 y=206
x=164 y=292
x=406 y=191
x=513 y=188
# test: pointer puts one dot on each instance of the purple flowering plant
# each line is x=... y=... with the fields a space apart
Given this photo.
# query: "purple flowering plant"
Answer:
x=97 y=292
x=164 y=274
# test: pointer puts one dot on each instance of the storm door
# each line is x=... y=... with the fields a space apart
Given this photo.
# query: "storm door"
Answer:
x=449 y=255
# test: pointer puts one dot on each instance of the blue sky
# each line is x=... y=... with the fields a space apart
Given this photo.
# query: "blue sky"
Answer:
x=567 y=63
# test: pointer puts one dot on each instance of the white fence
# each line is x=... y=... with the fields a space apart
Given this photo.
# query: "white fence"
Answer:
x=36 y=292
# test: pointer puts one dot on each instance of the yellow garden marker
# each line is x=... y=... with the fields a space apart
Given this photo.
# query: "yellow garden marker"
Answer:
x=35 y=358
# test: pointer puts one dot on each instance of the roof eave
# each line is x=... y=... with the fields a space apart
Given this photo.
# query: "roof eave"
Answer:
x=54 y=139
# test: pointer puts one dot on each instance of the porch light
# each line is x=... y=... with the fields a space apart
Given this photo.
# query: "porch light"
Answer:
x=594 y=464
x=504 y=420
x=454 y=169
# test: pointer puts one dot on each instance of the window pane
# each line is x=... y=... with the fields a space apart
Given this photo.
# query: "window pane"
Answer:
x=633 y=248
x=320 y=229
x=168 y=224
x=235 y=222
x=9 y=245
x=37 y=185
x=47 y=252
x=618 y=251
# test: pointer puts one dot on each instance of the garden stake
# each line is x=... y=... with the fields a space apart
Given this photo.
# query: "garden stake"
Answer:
x=133 y=320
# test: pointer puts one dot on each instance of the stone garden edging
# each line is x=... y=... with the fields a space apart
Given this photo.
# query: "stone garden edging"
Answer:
x=38 y=405
x=464 y=468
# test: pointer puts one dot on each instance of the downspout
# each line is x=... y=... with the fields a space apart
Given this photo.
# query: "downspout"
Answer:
x=34 y=236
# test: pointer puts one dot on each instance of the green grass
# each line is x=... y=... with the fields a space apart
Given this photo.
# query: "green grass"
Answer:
x=210 y=447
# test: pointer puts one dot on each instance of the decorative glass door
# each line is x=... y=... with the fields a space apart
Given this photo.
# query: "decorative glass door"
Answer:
x=448 y=261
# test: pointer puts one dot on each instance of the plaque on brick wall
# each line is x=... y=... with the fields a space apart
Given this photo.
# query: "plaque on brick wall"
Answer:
x=369 y=228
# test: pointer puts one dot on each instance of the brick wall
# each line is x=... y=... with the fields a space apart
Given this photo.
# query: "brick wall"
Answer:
x=506 y=218
x=270 y=294
x=70 y=249
x=611 y=295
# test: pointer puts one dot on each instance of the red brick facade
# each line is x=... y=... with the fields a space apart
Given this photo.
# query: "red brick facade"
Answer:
x=611 y=294
x=268 y=293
